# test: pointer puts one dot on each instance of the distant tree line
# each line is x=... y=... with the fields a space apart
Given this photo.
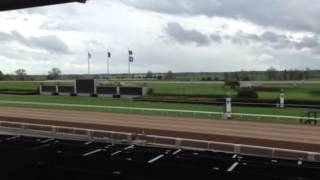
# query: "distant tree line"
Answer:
x=22 y=75
x=19 y=75
x=288 y=75
x=270 y=74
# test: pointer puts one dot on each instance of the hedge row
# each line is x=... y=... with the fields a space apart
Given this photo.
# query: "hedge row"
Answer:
x=266 y=89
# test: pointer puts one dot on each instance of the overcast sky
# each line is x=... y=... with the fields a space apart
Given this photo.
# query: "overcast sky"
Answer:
x=177 y=35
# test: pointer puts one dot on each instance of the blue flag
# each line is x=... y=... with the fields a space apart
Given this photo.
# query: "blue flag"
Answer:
x=131 y=59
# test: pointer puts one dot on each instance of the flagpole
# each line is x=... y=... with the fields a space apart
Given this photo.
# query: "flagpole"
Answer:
x=88 y=65
x=108 y=66
x=129 y=68
x=108 y=62
x=129 y=63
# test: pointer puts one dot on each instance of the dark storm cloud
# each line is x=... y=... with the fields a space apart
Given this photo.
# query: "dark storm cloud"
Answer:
x=291 y=15
x=184 y=36
x=50 y=43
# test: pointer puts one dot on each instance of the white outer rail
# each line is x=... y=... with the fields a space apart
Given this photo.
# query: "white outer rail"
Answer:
x=110 y=136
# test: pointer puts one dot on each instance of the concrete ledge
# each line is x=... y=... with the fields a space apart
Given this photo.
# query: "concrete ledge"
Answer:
x=195 y=144
x=99 y=134
x=84 y=94
x=46 y=93
x=120 y=136
x=291 y=155
x=105 y=95
x=256 y=151
x=64 y=94
x=38 y=128
x=167 y=141
x=72 y=131
x=221 y=147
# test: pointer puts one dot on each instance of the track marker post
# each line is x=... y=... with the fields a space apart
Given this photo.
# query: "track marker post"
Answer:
x=228 y=108
x=282 y=99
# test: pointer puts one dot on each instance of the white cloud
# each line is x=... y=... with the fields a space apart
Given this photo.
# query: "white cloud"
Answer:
x=212 y=35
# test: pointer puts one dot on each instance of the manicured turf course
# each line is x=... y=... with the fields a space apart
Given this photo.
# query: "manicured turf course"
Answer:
x=299 y=91
x=19 y=85
x=129 y=103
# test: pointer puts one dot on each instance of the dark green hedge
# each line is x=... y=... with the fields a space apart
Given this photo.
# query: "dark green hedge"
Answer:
x=247 y=93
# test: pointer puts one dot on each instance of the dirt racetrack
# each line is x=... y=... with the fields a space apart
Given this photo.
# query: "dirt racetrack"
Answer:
x=299 y=137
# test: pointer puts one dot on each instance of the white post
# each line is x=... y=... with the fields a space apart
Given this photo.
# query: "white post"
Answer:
x=282 y=99
x=118 y=90
x=75 y=87
x=228 y=107
x=40 y=89
x=95 y=91
x=57 y=88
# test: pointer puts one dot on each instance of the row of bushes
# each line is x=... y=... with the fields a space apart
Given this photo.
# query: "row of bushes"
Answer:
x=247 y=93
x=19 y=92
x=266 y=89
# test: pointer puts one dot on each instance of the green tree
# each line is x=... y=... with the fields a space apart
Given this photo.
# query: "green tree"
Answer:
x=21 y=74
x=169 y=75
x=307 y=74
x=149 y=75
x=272 y=73
x=54 y=74
x=1 y=76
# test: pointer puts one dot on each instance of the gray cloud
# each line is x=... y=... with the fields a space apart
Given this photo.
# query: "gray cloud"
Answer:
x=308 y=42
x=65 y=26
x=51 y=43
x=272 y=37
x=184 y=36
x=216 y=37
x=292 y=15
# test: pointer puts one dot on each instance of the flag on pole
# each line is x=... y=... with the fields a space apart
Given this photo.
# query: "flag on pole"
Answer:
x=89 y=55
x=131 y=58
x=109 y=54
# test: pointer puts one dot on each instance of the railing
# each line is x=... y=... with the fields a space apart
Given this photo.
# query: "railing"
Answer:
x=142 y=139
x=174 y=112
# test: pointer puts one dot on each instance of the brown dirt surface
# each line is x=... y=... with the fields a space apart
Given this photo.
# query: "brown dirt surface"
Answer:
x=299 y=137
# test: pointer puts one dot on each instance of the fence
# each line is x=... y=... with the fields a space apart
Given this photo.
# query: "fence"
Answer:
x=151 y=140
